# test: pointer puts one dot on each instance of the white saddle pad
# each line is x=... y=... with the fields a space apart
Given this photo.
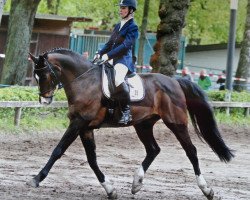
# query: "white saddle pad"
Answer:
x=137 y=91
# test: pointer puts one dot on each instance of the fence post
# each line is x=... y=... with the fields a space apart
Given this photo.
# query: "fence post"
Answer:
x=18 y=112
x=228 y=99
x=247 y=112
x=227 y=111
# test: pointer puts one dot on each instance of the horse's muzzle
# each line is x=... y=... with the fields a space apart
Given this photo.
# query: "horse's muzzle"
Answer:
x=45 y=100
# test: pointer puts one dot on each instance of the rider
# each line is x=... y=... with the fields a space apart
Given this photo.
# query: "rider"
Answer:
x=119 y=48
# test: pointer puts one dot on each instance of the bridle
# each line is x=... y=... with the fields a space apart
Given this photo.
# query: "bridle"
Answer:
x=55 y=80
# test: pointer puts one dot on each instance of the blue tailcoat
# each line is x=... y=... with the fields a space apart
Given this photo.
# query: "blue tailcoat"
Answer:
x=119 y=46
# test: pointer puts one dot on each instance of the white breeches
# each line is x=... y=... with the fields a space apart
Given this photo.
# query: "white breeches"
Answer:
x=120 y=73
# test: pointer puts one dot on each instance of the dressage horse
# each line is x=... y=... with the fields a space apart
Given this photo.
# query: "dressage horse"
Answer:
x=165 y=98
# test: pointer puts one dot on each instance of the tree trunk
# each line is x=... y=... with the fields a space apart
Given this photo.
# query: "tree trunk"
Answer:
x=20 y=25
x=172 y=14
x=243 y=69
x=2 y=3
x=143 y=33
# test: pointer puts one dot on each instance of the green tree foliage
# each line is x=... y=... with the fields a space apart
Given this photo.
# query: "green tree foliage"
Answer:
x=104 y=13
x=207 y=21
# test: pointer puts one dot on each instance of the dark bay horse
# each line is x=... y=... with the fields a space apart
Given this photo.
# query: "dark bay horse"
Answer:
x=165 y=98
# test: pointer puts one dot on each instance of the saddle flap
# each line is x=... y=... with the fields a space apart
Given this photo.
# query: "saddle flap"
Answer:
x=135 y=83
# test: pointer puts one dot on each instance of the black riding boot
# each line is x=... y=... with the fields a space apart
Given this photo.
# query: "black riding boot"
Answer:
x=122 y=96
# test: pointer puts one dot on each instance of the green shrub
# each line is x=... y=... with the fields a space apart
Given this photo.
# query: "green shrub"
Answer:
x=235 y=96
x=20 y=93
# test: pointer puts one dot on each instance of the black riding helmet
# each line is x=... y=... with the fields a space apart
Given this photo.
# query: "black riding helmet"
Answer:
x=132 y=4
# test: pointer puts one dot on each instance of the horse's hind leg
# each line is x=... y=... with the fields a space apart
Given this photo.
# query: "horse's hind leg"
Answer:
x=88 y=141
x=181 y=133
x=144 y=131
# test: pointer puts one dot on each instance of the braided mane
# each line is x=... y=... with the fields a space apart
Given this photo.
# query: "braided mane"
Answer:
x=64 y=51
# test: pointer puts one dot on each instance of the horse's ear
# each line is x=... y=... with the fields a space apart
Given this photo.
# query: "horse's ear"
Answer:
x=33 y=58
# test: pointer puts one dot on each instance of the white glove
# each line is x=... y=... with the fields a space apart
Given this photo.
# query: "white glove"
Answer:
x=105 y=58
x=97 y=56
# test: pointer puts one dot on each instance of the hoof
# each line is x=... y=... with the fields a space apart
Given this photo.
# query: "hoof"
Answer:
x=138 y=178
x=33 y=183
x=137 y=187
x=210 y=196
x=113 y=195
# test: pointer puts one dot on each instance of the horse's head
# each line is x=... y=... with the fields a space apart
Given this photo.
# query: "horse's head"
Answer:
x=46 y=76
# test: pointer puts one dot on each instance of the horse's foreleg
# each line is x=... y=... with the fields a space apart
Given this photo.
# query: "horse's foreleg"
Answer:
x=181 y=133
x=69 y=136
x=88 y=142
x=144 y=131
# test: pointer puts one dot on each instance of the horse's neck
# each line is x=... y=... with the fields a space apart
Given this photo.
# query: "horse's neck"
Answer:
x=84 y=85
x=73 y=69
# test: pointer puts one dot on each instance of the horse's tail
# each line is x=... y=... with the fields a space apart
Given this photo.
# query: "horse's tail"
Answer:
x=202 y=114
